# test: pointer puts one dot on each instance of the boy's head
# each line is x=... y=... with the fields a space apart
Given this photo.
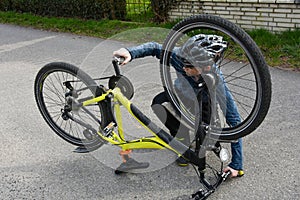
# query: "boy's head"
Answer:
x=202 y=51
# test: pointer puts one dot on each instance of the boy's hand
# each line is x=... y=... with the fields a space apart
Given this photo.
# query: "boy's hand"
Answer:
x=123 y=53
x=234 y=172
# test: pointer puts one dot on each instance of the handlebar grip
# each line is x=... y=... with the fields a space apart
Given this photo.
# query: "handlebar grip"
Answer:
x=118 y=59
x=225 y=175
x=116 y=62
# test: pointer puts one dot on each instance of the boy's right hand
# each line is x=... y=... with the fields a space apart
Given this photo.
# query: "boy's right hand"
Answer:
x=123 y=53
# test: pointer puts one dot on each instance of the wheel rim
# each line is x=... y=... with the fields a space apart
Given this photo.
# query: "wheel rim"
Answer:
x=245 y=85
x=52 y=105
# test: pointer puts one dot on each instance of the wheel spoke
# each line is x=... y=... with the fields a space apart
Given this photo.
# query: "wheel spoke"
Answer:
x=52 y=92
x=236 y=64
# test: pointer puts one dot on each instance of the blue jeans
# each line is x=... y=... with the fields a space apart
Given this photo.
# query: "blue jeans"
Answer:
x=229 y=107
x=172 y=124
x=237 y=155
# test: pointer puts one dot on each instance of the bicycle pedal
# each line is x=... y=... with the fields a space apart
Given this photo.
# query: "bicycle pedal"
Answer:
x=109 y=128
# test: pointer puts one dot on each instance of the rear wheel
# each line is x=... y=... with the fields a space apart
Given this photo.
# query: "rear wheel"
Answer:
x=55 y=85
x=243 y=68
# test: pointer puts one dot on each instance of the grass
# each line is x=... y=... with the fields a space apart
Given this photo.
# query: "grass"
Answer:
x=279 y=49
x=102 y=29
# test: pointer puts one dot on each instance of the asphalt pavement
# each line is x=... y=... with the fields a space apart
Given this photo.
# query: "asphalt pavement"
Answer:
x=36 y=164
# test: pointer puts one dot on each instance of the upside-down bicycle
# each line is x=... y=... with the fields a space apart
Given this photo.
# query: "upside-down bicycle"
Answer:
x=88 y=115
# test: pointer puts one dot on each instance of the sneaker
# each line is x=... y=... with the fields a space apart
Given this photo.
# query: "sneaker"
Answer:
x=182 y=162
x=240 y=173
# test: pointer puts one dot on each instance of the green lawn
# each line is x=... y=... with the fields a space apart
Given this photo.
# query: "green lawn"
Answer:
x=281 y=49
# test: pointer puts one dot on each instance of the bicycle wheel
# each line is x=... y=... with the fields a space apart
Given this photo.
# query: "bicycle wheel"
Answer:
x=54 y=83
x=243 y=68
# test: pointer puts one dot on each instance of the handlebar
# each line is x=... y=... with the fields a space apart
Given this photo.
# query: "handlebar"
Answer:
x=116 y=62
x=225 y=175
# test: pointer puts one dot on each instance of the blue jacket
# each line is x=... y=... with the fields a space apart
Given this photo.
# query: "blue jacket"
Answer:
x=154 y=49
x=224 y=96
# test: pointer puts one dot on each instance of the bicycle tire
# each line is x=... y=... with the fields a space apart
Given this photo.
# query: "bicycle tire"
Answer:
x=244 y=52
x=50 y=95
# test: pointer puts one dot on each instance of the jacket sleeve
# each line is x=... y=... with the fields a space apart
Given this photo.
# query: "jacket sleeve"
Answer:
x=146 y=49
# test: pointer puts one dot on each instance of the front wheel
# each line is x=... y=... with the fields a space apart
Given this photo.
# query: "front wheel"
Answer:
x=241 y=66
x=57 y=83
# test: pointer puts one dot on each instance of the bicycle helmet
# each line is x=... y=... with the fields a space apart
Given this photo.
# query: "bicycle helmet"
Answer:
x=202 y=50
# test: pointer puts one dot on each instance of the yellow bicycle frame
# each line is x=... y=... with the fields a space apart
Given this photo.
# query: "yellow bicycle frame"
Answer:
x=118 y=138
